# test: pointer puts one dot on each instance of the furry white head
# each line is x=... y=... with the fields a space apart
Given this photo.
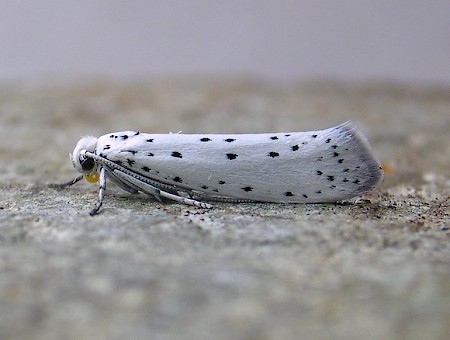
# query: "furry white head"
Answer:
x=80 y=162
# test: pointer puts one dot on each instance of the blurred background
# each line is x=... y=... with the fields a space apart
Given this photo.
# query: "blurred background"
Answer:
x=403 y=41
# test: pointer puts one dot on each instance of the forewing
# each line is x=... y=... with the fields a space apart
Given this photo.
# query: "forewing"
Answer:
x=316 y=166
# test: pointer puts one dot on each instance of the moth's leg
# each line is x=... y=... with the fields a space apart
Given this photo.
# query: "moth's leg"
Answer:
x=135 y=183
x=101 y=192
x=149 y=189
x=223 y=199
x=66 y=184
x=193 y=195
x=125 y=186
x=187 y=201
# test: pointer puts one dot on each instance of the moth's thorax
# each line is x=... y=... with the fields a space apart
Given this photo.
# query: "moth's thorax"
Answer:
x=89 y=144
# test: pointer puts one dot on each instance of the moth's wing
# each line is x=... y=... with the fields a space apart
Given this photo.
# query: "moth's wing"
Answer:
x=316 y=166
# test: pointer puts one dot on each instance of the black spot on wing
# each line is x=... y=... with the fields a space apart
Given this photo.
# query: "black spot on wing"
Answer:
x=178 y=179
x=130 y=161
x=146 y=168
x=107 y=147
x=150 y=154
x=221 y=182
x=273 y=154
x=247 y=189
x=318 y=172
x=133 y=152
x=124 y=137
x=231 y=156
x=288 y=194
x=328 y=140
x=229 y=140
x=177 y=154
x=150 y=140
x=205 y=139
x=314 y=136
x=274 y=138
x=295 y=147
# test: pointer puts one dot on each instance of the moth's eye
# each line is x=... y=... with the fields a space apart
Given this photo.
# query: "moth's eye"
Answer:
x=87 y=164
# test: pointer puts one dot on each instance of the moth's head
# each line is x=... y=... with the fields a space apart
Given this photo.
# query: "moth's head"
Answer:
x=80 y=161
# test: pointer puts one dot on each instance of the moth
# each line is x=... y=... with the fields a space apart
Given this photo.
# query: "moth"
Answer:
x=285 y=167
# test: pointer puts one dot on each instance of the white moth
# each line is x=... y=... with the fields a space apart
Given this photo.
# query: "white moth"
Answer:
x=293 y=167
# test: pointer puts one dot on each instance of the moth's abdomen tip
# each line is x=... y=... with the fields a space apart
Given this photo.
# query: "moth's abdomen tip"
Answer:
x=375 y=178
x=368 y=171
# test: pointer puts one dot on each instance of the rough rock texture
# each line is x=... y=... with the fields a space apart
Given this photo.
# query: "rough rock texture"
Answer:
x=377 y=267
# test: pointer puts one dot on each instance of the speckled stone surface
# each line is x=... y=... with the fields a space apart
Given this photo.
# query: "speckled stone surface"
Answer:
x=376 y=267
